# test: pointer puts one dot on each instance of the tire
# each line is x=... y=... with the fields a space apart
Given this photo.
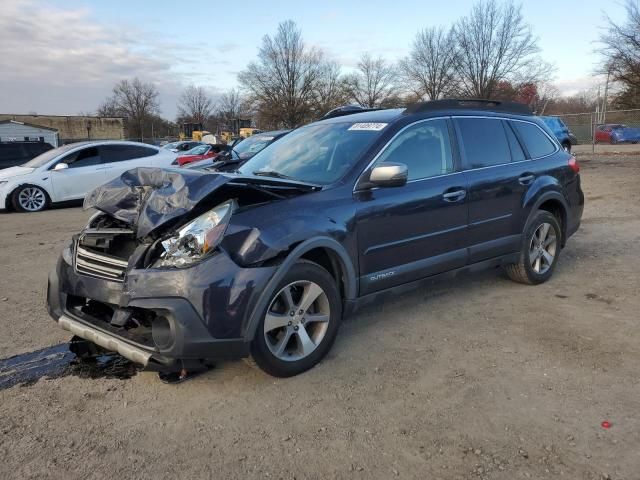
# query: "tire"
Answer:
x=534 y=266
x=284 y=333
x=567 y=146
x=30 y=198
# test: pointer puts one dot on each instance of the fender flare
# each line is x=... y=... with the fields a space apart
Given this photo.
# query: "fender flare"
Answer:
x=543 y=197
x=350 y=279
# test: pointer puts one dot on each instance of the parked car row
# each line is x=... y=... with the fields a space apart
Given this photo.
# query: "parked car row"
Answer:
x=232 y=157
x=67 y=173
x=266 y=261
x=614 y=133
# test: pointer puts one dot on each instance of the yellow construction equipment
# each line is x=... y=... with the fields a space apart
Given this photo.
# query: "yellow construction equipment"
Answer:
x=247 y=132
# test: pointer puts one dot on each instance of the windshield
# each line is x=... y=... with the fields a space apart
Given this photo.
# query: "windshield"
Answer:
x=320 y=153
x=252 y=145
x=199 y=150
x=46 y=157
x=171 y=145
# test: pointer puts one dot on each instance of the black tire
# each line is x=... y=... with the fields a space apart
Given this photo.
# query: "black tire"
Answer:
x=15 y=199
x=302 y=271
x=567 y=146
x=523 y=271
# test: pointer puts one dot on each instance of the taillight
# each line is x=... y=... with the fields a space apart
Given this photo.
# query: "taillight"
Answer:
x=573 y=164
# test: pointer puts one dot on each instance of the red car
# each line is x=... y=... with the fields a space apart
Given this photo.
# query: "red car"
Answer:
x=201 y=152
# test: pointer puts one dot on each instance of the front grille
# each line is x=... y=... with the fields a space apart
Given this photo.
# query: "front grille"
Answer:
x=98 y=264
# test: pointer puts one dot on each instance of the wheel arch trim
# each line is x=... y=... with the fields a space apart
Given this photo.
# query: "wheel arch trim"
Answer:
x=543 y=197
x=348 y=271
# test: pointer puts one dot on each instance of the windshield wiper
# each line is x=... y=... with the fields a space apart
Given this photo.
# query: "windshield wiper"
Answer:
x=272 y=173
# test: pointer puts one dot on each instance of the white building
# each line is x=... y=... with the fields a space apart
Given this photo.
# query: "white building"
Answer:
x=13 y=131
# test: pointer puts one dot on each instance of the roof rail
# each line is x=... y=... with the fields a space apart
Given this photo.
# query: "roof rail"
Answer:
x=346 y=110
x=469 y=103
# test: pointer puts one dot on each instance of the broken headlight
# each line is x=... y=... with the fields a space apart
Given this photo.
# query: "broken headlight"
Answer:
x=197 y=239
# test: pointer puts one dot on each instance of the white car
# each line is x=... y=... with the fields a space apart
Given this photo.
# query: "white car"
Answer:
x=71 y=171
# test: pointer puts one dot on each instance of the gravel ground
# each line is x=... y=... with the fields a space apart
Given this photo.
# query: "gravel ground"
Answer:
x=478 y=377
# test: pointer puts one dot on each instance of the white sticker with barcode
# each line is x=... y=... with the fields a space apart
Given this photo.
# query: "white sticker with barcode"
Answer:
x=368 y=126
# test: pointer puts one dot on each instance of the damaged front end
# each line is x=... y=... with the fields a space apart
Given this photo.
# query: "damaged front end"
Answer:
x=151 y=277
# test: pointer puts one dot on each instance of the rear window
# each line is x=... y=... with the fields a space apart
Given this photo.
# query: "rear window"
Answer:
x=484 y=141
x=535 y=140
x=120 y=153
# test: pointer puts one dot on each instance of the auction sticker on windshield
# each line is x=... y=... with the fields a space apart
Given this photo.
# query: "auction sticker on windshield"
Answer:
x=368 y=126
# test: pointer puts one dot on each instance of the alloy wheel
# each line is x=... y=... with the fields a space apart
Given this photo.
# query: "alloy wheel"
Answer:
x=297 y=320
x=32 y=199
x=542 y=248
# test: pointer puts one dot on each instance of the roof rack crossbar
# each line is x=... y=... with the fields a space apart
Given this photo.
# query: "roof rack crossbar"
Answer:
x=346 y=110
x=470 y=103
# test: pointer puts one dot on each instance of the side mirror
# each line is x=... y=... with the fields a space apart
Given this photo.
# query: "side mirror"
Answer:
x=60 y=166
x=388 y=174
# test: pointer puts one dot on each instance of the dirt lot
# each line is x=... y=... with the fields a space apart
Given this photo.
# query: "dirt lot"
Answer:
x=474 y=378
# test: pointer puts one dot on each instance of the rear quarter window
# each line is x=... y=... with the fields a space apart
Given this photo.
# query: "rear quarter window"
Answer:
x=535 y=140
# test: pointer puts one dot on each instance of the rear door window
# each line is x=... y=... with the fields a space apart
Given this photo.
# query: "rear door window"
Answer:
x=535 y=141
x=484 y=142
x=120 y=153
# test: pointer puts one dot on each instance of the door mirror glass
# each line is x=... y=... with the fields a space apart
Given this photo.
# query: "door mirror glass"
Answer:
x=61 y=166
x=388 y=174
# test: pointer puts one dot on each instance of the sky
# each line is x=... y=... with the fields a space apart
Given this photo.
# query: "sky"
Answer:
x=62 y=57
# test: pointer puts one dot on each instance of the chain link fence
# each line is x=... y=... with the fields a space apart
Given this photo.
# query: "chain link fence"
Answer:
x=585 y=125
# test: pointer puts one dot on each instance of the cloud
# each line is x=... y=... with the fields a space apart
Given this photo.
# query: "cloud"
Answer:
x=573 y=86
x=61 y=61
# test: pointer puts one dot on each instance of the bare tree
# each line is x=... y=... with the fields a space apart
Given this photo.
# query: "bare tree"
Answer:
x=495 y=44
x=330 y=90
x=283 y=80
x=430 y=67
x=621 y=55
x=108 y=108
x=374 y=82
x=230 y=104
x=136 y=101
x=195 y=104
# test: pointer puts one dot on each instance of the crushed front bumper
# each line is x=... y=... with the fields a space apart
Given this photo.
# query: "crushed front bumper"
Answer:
x=197 y=313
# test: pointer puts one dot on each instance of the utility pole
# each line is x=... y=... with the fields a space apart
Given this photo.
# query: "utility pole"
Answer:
x=604 y=101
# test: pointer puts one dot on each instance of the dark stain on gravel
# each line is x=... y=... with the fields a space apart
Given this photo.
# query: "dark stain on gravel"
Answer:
x=60 y=361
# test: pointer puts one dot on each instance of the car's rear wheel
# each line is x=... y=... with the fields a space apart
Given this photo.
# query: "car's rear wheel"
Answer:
x=30 y=198
x=540 y=250
x=300 y=323
x=566 y=146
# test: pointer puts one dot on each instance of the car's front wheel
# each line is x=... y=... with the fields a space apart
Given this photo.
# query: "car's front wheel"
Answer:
x=300 y=323
x=30 y=198
x=540 y=250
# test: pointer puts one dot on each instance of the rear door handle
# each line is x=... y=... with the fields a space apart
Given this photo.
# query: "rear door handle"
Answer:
x=454 y=196
x=526 y=179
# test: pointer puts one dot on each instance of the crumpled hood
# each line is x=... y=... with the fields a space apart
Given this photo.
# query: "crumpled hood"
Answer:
x=148 y=197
